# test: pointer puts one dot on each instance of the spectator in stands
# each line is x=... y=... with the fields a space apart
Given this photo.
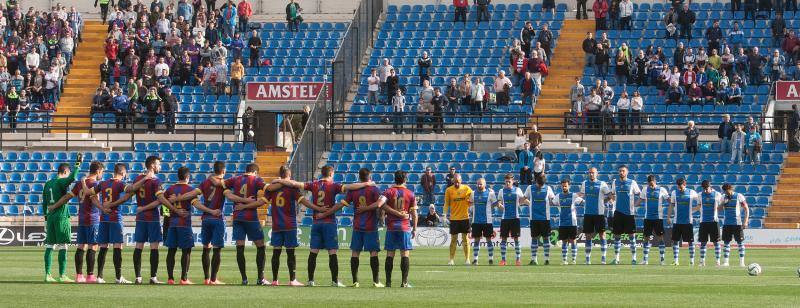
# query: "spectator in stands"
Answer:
x=692 y=133
x=738 y=140
x=794 y=129
x=525 y=165
x=526 y=36
x=601 y=61
x=779 y=31
x=384 y=71
x=105 y=70
x=695 y=94
x=432 y=219
x=750 y=9
x=532 y=66
x=549 y=5
x=424 y=64
x=625 y=13
x=502 y=88
x=12 y=108
x=727 y=61
x=478 y=96
x=710 y=94
x=776 y=63
x=588 y=46
x=398 y=108
x=121 y=107
x=209 y=79
x=452 y=95
x=714 y=36
x=237 y=74
x=546 y=39
x=637 y=104
x=99 y=101
x=535 y=139
x=254 y=42
x=465 y=89
x=519 y=141
x=600 y=9
x=438 y=103
x=577 y=94
x=736 y=5
x=461 y=8
x=248 y=122
x=483 y=10
x=52 y=87
x=171 y=108
x=674 y=94
x=103 y=9
x=639 y=67
x=686 y=20
x=221 y=71
x=450 y=176
x=373 y=86
x=581 y=9
x=736 y=36
x=791 y=5
x=527 y=87
x=724 y=133
x=592 y=109
x=607 y=93
x=608 y=113
x=623 y=113
x=24 y=102
x=294 y=15
x=428 y=182
x=245 y=10
x=754 y=145
x=613 y=15
x=153 y=106
x=622 y=72
x=734 y=95
x=671 y=24
x=392 y=82
x=424 y=107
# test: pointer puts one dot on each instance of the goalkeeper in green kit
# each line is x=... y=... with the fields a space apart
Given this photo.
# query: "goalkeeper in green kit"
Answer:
x=56 y=215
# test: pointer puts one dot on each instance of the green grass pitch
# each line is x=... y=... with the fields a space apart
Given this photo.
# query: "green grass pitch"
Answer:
x=435 y=284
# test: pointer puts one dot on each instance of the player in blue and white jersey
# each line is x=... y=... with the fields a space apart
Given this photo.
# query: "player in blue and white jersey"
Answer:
x=567 y=220
x=541 y=197
x=483 y=201
x=595 y=192
x=510 y=198
x=655 y=198
x=626 y=191
x=710 y=203
x=683 y=203
x=737 y=217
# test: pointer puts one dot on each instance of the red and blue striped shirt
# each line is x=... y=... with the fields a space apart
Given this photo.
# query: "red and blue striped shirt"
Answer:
x=147 y=194
x=245 y=186
x=283 y=207
x=214 y=198
x=323 y=194
x=402 y=200
x=110 y=191
x=176 y=220
x=88 y=214
x=365 y=221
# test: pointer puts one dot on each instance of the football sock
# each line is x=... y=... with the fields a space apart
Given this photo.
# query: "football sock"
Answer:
x=291 y=262
x=588 y=250
x=646 y=256
x=534 y=248
x=716 y=250
x=574 y=251
x=117 y=262
x=453 y=244
x=90 y=258
x=547 y=248
x=171 y=262
x=490 y=245
x=354 y=268
x=312 y=265
x=206 y=261
x=388 y=266
x=465 y=245
x=503 y=247
x=186 y=259
x=633 y=247
x=62 y=261
x=727 y=251
x=79 y=261
x=517 y=250
x=153 y=262
x=374 y=263
x=101 y=261
x=741 y=250
x=564 y=251
x=662 y=247
x=261 y=256
x=48 y=260
x=603 y=249
x=215 y=261
x=404 y=267
x=137 y=262
x=276 y=263
x=691 y=252
x=333 y=263
x=476 y=249
x=676 y=250
x=703 y=251
x=617 y=247
x=240 y=260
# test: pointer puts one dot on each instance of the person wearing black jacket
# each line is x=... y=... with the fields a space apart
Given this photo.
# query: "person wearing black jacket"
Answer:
x=483 y=10
x=392 y=84
x=438 y=102
x=170 y=109
x=105 y=70
x=736 y=5
x=546 y=39
x=424 y=63
x=686 y=19
x=750 y=9
x=692 y=134
x=794 y=130
x=714 y=36
x=152 y=105
x=588 y=48
x=526 y=36
x=601 y=61
x=581 y=9
x=255 y=45
x=724 y=132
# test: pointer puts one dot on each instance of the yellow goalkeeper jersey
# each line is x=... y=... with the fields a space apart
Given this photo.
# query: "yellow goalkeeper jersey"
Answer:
x=458 y=201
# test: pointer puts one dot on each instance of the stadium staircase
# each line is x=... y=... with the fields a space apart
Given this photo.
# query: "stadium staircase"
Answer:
x=785 y=210
x=567 y=63
x=268 y=164
x=83 y=78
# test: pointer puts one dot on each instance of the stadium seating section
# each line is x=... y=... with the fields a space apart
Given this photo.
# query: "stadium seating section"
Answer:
x=666 y=160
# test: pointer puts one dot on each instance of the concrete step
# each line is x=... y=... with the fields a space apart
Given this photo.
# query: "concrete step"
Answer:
x=775 y=214
x=771 y=219
x=782 y=225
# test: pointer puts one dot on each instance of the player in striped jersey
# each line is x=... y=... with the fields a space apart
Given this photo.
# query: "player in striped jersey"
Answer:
x=595 y=192
x=148 y=190
x=400 y=207
x=711 y=201
x=365 y=226
x=180 y=235
x=457 y=199
x=654 y=197
x=625 y=193
x=683 y=203
x=568 y=219
x=243 y=190
x=108 y=196
x=541 y=198
x=483 y=201
x=734 y=205
x=324 y=233
x=212 y=230
x=88 y=223
x=510 y=198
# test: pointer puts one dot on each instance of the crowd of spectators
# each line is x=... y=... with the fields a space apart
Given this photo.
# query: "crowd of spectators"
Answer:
x=36 y=52
x=151 y=48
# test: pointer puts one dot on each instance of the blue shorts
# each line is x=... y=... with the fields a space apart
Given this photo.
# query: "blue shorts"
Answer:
x=147 y=232
x=286 y=239
x=324 y=236
x=180 y=237
x=365 y=241
x=110 y=233
x=87 y=234
x=398 y=240
x=250 y=230
x=212 y=231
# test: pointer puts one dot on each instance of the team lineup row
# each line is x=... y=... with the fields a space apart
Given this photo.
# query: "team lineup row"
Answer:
x=100 y=221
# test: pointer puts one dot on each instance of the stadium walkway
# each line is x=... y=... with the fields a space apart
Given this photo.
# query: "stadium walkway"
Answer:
x=84 y=77
x=785 y=210
x=268 y=164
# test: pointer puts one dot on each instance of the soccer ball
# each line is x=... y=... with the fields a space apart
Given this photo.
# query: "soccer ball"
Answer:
x=754 y=269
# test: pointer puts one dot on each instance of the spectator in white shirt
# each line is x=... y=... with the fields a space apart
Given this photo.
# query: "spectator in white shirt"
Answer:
x=398 y=106
x=373 y=86
x=519 y=141
x=502 y=88
x=625 y=12
x=32 y=60
x=161 y=69
x=623 y=112
x=538 y=165
x=637 y=103
x=383 y=72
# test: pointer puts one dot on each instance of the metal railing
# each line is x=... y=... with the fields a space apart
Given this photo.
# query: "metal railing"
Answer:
x=312 y=143
x=346 y=65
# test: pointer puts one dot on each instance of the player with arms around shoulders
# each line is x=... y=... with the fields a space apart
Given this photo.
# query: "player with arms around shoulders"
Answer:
x=735 y=205
x=108 y=196
x=654 y=198
x=683 y=203
x=541 y=197
x=56 y=215
x=595 y=193
x=180 y=235
x=243 y=190
x=568 y=220
x=626 y=191
x=400 y=207
x=483 y=201
x=88 y=223
x=458 y=199
x=510 y=198
x=711 y=203
x=324 y=233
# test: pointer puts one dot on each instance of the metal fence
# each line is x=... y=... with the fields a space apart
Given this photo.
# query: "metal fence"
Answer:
x=357 y=39
x=312 y=143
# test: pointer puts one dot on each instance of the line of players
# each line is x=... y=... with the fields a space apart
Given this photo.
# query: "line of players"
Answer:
x=604 y=204
x=101 y=221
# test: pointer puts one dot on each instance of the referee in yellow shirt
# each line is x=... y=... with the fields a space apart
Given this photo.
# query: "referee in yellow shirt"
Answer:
x=458 y=199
